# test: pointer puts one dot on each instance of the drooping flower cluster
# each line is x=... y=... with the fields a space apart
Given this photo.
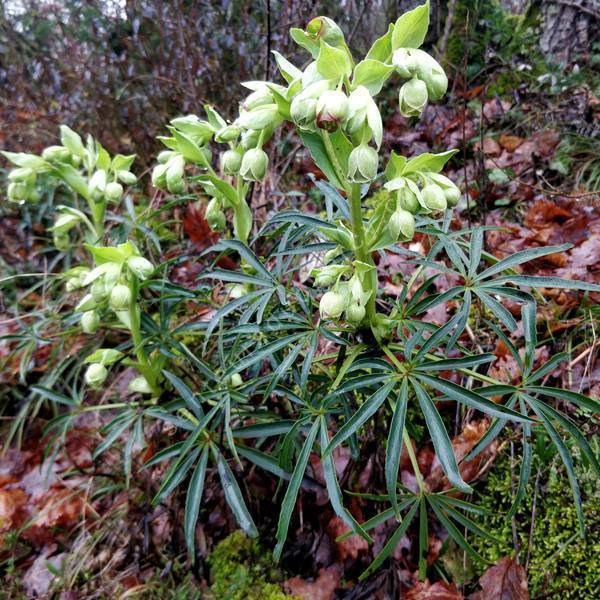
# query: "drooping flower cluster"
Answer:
x=86 y=169
x=112 y=288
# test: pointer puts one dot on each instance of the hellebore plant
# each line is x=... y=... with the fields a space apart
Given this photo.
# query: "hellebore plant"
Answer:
x=283 y=372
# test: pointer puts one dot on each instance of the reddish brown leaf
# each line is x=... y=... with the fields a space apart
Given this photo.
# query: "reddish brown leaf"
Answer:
x=506 y=580
x=439 y=590
x=322 y=588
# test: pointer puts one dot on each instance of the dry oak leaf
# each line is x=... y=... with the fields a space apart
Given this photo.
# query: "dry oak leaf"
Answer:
x=505 y=580
x=349 y=548
x=322 y=588
x=439 y=590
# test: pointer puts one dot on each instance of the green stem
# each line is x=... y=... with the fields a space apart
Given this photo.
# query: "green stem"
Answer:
x=138 y=340
x=362 y=251
x=337 y=167
x=413 y=460
x=97 y=209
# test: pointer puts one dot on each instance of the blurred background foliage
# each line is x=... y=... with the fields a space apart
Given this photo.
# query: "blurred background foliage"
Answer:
x=121 y=68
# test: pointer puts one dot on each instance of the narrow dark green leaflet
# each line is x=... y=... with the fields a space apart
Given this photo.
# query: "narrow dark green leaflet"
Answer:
x=591 y=404
x=446 y=364
x=392 y=542
x=567 y=461
x=54 y=396
x=441 y=440
x=333 y=488
x=497 y=309
x=192 y=502
x=233 y=495
x=465 y=396
x=262 y=430
x=549 y=366
x=116 y=430
x=262 y=460
x=423 y=537
x=550 y=282
x=177 y=471
x=184 y=391
x=476 y=248
x=394 y=446
x=518 y=258
x=525 y=471
x=291 y=494
x=164 y=454
x=369 y=407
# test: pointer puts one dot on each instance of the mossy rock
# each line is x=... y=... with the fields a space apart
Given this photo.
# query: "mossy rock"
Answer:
x=561 y=564
x=241 y=570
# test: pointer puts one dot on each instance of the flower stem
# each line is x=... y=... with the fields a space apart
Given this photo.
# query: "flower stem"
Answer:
x=362 y=251
x=138 y=340
x=413 y=460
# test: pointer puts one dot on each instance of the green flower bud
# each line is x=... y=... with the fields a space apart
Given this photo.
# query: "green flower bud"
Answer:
x=327 y=276
x=64 y=222
x=97 y=185
x=174 y=174
x=406 y=62
x=406 y=199
x=254 y=165
x=61 y=241
x=402 y=224
x=237 y=290
x=21 y=174
x=434 y=197
x=159 y=176
x=303 y=110
x=362 y=164
x=236 y=380
x=139 y=385
x=113 y=191
x=451 y=192
x=140 y=267
x=355 y=313
x=333 y=304
x=214 y=215
x=98 y=291
x=17 y=192
x=127 y=177
x=90 y=321
x=249 y=139
x=326 y=29
x=332 y=109
x=231 y=161
x=95 y=375
x=165 y=156
x=412 y=98
x=260 y=118
x=230 y=133
x=120 y=297
x=258 y=98
x=56 y=154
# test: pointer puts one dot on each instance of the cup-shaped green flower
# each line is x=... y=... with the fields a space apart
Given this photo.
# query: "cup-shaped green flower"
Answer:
x=332 y=109
x=61 y=241
x=236 y=380
x=259 y=97
x=412 y=98
x=434 y=197
x=231 y=161
x=326 y=276
x=450 y=189
x=141 y=267
x=56 y=154
x=17 y=192
x=362 y=164
x=214 y=215
x=90 y=321
x=97 y=185
x=326 y=29
x=333 y=304
x=98 y=290
x=254 y=164
x=113 y=191
x=174 y=174
x=120 y=297
x=140 y=385
x=229 y=133
x=402 y=224
x=95 y=375
x=406 y=199
x=355 y=313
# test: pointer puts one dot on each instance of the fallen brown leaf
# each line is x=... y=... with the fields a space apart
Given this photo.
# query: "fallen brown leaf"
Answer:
x=322 y=588
x=439 y=590
x=506 y=580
